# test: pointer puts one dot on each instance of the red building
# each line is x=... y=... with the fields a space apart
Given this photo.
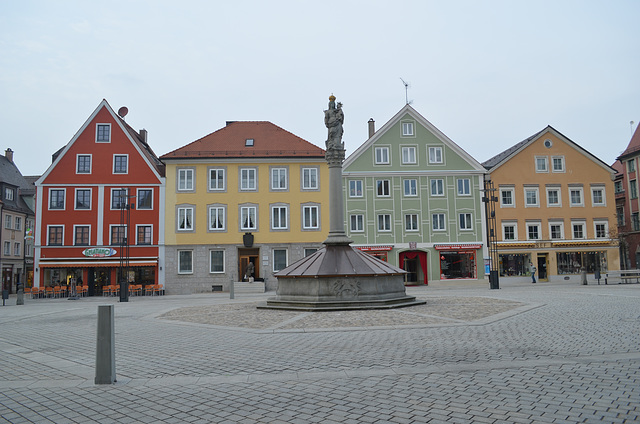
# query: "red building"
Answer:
x=628 y=203
x=99 y=208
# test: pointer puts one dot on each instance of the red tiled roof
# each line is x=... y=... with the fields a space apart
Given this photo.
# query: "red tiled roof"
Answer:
x=634 y=144
x=269 y=141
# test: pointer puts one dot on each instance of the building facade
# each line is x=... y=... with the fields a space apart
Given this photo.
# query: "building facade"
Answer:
x=556 y=209
x=413 y=198
x=242 y=202
x=17 y=215
x=100 y=207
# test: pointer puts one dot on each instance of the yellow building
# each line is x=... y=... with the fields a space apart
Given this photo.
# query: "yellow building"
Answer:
x=555 y=211
x=243 y=202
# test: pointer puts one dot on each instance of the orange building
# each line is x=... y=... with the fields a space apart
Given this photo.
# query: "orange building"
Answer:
x=556 y=207
x=99 y=208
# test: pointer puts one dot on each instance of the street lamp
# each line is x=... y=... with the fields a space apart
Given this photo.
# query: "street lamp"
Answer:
x=489 y=199
x=125 y=219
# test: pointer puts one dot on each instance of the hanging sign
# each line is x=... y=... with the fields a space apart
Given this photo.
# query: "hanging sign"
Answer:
x=98 y=252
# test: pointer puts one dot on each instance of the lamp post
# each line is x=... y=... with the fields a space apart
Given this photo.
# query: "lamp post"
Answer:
x=125 y=220
x=489 y=199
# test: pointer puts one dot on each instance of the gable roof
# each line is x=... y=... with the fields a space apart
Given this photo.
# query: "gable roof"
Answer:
x=10 y=175
x=407 y=109
x=634 y=144
x=502 y=157
x=138 y=140
x=269 y=141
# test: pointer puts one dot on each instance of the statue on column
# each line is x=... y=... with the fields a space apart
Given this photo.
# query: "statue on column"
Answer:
x=333 y=120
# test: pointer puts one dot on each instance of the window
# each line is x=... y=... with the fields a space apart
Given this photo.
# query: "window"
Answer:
x=18 y=223
x=435 y=154
x=248 y=218
x=553 y=197
x=578 y=230
x=216 y=218
x=56 y=198
x=8 y=221
x=620 y=216
x=438 y=222
x=216 y=180
x=465 y=221
x=357 y=223
x=382 y=155
x=597 y=196
x=16 y=249
x=185 y=219
x=83 y=198
x=103 y=133
x=635 y=221
x=410 y=187
x=216 y=261
x=556 y=231
x=575 y=194
x=185 y=261
x=83 y=164
x=8 y=193
x=120 y=164
x=309 y=178
x=542 y=164
x=119 y=198
x=557 y=163
x=279 y=178
x=310 y=217
x=633 y=189
x=143 y=234
x=408 y=155
x=248 y=142
x=509 y=232
x=506 y=197
x=411 y=222
x=81 y=236
x=384 y=222
x=601 y=229
x=279 y=259
x=248 y=179
x=118 y=235
x=185 y=179
x=279 y=218
x=437 y=187
x=464 y=187
x=383 y=188
x=618 y=187
x=355 y=188
x=631 y=165
x=531 y=197
x=308 y=251
x=145 y=198
x=407 y=129
x=7 y=248
x=533 y=231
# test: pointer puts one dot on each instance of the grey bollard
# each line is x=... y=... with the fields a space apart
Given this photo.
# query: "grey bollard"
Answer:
x=106 y=347
x=583 y=276
x=232 y=290
x=20 y=297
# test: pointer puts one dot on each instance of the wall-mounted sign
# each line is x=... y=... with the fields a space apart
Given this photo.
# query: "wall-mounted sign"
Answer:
x=457 y=246
x=98 y=252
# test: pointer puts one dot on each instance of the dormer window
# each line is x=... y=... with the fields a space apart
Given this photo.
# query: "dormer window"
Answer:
x=248 y=142
x=8 y=194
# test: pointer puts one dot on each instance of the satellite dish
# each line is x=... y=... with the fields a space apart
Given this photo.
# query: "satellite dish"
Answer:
x=123 y=111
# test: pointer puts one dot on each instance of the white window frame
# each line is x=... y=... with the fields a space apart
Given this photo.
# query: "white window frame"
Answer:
x=593 y=197
x=78 y=156
x=310 y=209
x=409 y=155
x=414 y=220
x=309 y=176
x=111 y=227
x=98 y=125
x=504 y=231
x=580 y=190
x=276 y=180
x=273 y=257
x=214 y=182
x=439 y=186
x=513 y=197
x=559 y=224
x=211 y=270
x=49 y=234
x=353 y=188
x=75 y=229
x=384 y=222
x=186 y=179
x=408 y=129
x=17 y=223
x=356 y=223
x=189 y=212
x=180 y=269
x=631 y=165
x=465 y=189
x=64 y=199
x=248 y=179
x=382 y=155
x=276 y=223
x=16 y=248
x=138 y=197
x=582 y=224
x=558 y=190
x=220 y=210
x=248 y=211
x=438 y=222
x=112 y=198
x=553 y=164
x=7 y=248
x=410 y=187
x=120 y=155
x=542 y=164
x=595 y=228
x=538 y=226
x=8 y=193
x=465 y=224
x=138 y=233
x=383 y=188
x=535 y=190
x=435 y=155
x=8 y=221
x=75 y=199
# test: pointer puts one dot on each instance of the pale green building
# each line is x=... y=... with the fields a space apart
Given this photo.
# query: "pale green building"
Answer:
x=413 y=198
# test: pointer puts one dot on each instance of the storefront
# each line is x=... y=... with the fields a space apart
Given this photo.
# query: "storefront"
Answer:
x=458 y=261
x=415 y=263
x=514 y=264
x=380 y=252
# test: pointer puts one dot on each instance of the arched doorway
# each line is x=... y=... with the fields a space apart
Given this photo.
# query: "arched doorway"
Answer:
x=415 y=263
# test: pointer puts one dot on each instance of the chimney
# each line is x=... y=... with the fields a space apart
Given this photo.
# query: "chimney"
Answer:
x=143 y=135
x=229 y=123
x=372 y=127
x=9 y=154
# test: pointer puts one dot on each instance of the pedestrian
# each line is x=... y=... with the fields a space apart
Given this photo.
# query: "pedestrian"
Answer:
x=533 y=272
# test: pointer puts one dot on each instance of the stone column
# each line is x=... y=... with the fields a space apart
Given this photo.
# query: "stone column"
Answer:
x=337 y=235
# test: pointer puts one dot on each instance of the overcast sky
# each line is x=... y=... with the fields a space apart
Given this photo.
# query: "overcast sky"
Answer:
x=486 y=73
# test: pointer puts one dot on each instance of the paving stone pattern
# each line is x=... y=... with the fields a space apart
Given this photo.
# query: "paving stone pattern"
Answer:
x=545 y=353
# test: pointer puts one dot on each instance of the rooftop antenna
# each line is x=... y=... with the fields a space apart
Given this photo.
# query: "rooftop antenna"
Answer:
x=406 y=91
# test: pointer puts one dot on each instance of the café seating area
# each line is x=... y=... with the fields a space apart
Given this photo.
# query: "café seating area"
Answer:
x=83 y=290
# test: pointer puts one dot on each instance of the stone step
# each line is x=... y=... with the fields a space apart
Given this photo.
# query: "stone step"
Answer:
x=244 y=287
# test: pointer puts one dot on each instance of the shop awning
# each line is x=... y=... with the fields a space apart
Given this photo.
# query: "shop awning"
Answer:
x=458 y=246
x=583 y=243
x=374 y=248
x=95 y=264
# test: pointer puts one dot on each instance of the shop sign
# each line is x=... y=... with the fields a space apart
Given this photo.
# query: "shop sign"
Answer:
x=98 y=252
x=374 y=248
x=457 y=246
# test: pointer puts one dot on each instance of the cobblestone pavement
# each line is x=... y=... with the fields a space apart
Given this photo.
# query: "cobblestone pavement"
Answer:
x=550 y=352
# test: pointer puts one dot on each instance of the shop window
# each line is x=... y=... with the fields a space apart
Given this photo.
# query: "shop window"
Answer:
x=573 y=262
x=457 y=265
